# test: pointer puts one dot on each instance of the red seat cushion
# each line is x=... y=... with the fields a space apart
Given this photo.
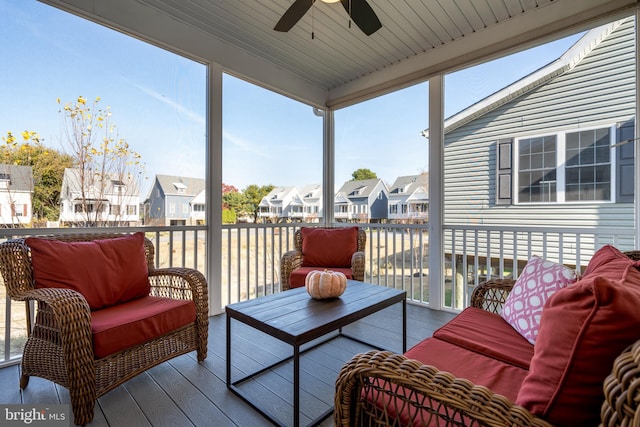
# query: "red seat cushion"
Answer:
x=500 y=377
x=106 y=272
x=125 y=325
x=584 y=327
x=297 y=276
x=487 y=333
x=328 y=247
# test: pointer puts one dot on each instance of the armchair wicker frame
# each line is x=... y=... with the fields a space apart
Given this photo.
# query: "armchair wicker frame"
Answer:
x=445 y=400
x=59 y=346
x=292 y=260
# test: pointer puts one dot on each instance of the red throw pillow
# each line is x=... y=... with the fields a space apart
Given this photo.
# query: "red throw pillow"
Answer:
x=610 y=262
x=106 y=272
x=584 y=327
x=328 y=247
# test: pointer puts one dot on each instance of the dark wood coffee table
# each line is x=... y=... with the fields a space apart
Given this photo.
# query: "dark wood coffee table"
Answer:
x=296 y=319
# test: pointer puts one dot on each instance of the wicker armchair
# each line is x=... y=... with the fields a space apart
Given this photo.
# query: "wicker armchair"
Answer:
x=451 y=401
x=293 y=259
x=60 y=348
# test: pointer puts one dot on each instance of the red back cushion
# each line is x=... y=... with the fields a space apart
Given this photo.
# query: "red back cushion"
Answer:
x=106 y=272
x=609 y=261
x=328 y=247
x=584 y=327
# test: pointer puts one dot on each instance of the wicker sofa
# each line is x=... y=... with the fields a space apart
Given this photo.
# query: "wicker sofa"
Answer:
x=474 y=369
x=104 y=313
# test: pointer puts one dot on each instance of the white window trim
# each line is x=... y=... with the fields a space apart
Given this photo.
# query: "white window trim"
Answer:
x=560 y=165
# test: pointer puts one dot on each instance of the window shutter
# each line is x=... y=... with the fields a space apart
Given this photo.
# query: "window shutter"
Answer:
x=504 y=172
x=625 y=162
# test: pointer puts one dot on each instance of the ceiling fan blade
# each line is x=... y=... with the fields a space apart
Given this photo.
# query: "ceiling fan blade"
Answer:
x=363 y=15
x=293 y=15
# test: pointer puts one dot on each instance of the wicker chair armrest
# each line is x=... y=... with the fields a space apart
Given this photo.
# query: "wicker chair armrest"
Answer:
x=492 y=294
x=357 y=265
x=64 y=314
x=178 y=283
x=441 y=396
x=290 y=261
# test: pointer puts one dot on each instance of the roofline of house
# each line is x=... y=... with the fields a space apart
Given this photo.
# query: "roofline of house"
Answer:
x=564 y=63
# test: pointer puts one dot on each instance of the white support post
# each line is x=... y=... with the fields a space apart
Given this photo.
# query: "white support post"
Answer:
x=636 y=188
x=213 y=179
x=329 y=167
x=436 y=192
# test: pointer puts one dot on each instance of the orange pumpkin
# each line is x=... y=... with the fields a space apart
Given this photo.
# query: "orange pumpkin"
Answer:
x=325 y=284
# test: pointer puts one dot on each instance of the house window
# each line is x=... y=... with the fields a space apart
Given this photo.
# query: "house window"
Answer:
x=537 y=169
x=132 y=210
x=588 y=172
x=172 y=208
x=19 y=209
x=115 y=210
x=568 y=166
x=393 y=209
x=180 y=187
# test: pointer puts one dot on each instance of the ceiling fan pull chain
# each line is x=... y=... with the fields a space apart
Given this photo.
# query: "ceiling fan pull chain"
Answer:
x=350 y=14
x=313 y=7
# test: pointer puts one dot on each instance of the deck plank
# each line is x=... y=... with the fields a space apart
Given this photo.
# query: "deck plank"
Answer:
x=185 y=392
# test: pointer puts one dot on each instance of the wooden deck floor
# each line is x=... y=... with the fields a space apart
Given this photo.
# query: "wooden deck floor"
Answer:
x=182 y=392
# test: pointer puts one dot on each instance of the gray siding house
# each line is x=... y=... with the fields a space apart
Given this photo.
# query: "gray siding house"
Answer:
x=550 y=149
x=362 y=201
x=169 y=200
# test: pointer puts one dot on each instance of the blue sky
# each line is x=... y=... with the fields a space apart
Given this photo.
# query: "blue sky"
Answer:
x=158 y=103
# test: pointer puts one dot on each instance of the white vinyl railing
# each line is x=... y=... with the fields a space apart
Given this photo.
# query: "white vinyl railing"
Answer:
x=396 y=256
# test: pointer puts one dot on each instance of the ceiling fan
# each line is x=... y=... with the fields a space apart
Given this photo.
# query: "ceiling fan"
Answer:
x=359 y=10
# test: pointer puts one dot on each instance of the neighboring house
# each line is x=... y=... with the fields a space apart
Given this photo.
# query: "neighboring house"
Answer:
x=409 y=199
x=550 y=149
x=16 y=189
x=197 y=209
x=105 y=200
x=275 y=206
x=306 y=206
x=361 y=201
x=169 y=200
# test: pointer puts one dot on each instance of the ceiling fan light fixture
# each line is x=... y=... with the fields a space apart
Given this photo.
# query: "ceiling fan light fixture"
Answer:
x=330 y=1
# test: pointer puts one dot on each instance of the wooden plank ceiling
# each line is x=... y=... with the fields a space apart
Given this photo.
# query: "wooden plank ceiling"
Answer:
x=340 y=64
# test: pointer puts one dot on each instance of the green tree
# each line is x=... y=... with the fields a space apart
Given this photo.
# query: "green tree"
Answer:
x=254 y=194
x=235 y=202
x=103 y=160
x=48 y=167
x=363 y=174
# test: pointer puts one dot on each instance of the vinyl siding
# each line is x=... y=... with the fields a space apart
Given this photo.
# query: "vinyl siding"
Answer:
x=600 y=90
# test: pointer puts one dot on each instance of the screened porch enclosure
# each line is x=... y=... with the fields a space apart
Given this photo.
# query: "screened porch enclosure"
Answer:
x=546 y=168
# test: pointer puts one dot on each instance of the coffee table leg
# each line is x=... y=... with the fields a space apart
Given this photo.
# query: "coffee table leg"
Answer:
x=404 y=325
x=228 y=351
x=296 y=385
